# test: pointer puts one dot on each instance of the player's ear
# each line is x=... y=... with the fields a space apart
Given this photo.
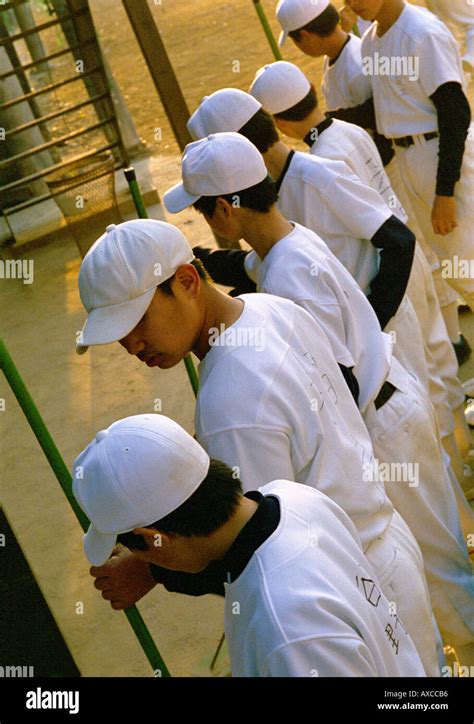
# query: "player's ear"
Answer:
x=224 y=208
x=153 y=538
x=285 y=127
x=188 y=277
x=280 y=124
x=305 y=36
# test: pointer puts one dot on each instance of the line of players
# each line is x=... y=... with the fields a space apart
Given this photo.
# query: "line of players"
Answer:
x=354 y=367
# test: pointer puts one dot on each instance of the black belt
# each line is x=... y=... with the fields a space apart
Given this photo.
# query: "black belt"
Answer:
x=408 y=141
x=384 y=395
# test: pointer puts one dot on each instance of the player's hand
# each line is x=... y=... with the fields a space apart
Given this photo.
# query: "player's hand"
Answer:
x=348 y=18
x=443 y=215
x=124 y=579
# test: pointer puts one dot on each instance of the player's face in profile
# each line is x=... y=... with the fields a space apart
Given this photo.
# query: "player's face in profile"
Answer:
x=171 y=325
x=366 y=9
x=224 y=220
x=309 y=44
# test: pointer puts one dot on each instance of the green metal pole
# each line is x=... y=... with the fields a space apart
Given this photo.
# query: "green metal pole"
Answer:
x=192 y=374
x=137 y=197
x=63 y=476
x=131 y=177
x=267 y=29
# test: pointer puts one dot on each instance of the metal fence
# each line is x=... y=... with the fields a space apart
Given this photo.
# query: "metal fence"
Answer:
x=56 y=104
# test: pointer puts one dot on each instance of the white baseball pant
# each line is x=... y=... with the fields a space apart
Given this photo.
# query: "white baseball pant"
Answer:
x=405 y=431
x=428 y=292
x=418 y=167
x=408 y=347
x=398 y=563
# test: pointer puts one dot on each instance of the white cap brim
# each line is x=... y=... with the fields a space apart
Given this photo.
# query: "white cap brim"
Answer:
x=105 y=325
x=98 y=546
x=177 y=199
x=283 y=38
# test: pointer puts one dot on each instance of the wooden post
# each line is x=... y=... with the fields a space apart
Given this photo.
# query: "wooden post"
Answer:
x=160 y=68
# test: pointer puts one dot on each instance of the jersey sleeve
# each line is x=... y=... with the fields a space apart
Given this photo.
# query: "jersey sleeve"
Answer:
x=226 y=266
x=330 y=318
x=251 y=264
x=439 y=63
x=340 y=656
x=360 y=88
x=359 y=207
x=258 y=454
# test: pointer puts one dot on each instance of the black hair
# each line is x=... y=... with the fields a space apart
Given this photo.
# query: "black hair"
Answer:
x=324 y=25
x=210 y=506
x=261 y=131
x=301 y=110
x=165 y=287
x=260 y=197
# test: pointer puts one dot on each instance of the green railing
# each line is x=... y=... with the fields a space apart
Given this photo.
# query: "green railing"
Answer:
x=63 y=476
x=268 y=31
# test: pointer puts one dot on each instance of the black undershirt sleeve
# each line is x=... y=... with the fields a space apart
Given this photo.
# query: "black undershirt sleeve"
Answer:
x=226 y=267
x=362 y=115
x=384 y=147
x=388 y=287
x=192 y=584
x=454 y=117
x=351 y=382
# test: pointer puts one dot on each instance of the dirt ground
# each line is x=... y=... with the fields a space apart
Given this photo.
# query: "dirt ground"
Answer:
x=211 y=45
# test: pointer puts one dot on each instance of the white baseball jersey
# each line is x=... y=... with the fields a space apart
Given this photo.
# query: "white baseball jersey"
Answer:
x=363 y=25
x=273 y=402
x=300 y=267
x=326 y=197
x=343 y=84
x=310 y=603
x=351 y=144
x=405 y=66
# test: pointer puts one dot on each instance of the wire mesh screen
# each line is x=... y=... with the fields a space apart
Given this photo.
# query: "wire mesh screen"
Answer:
x=85 y=193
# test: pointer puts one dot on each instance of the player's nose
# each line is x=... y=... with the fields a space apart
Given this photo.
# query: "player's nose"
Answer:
x=133 y=345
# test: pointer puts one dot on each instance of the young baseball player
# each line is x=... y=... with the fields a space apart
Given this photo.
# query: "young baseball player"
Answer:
x=286 y=93
x=280 y=553
x=349 y=216
x=415 y=106
x=399 y=419
x=351 y=23
x=272 y=401
x=314 y=29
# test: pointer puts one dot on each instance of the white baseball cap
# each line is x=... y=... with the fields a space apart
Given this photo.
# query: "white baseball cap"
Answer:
x=133 y=474
x=295 y=14
x=120 y=273
x=225 y=110
x=280 y=86
x=223 y=163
